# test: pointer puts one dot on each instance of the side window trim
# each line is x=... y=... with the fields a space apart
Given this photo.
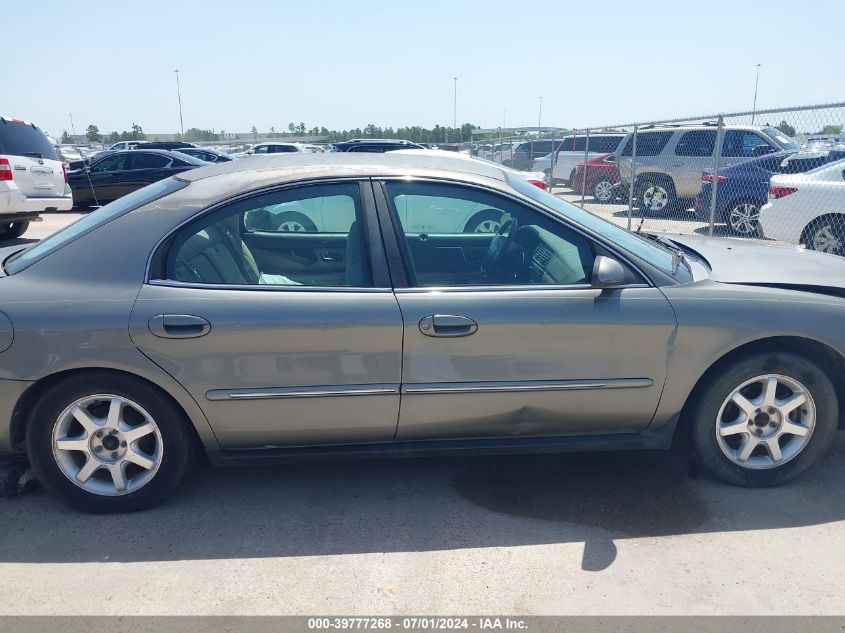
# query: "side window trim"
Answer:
x=155 y=273
x=393 y=236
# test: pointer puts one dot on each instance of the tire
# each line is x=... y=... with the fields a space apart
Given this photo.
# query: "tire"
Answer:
x=571 y=181
x=826 y=235
x=295 y=222
x=742 y=217
x=603 y=190
x=12 y=230
x=656 y=194
x=165 y=450
x=736 y=446
x=486 y=221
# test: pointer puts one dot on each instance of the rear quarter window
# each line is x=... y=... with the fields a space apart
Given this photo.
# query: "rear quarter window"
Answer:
x=648 y=143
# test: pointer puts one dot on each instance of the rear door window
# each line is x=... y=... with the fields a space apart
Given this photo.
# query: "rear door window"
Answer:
x=23 y=139
x=111 y=163
x=604 y=144
x=143 y=160
x=696 y=143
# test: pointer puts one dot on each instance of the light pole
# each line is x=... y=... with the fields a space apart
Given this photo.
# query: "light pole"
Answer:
x=455 y=105
x=540 y=113
x=179 y=96
x=756 y=82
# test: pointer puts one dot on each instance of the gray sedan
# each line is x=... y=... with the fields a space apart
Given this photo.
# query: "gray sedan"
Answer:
x=177 y=320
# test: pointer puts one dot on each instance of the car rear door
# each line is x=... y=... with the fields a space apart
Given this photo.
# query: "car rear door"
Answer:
x=283 y=339
x=526 y=349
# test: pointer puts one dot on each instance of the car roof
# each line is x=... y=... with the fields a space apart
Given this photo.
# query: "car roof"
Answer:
x=300 y=166
x=164 y=152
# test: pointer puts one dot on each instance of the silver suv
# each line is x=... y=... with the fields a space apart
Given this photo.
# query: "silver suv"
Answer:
x=671 y=159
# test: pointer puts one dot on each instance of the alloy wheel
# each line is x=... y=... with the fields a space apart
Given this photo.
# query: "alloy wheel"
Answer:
x=107 y=444
x=744 y=218
x=655 y=198
x=292 y=226
x=765 y=422
x=603 y=191
x=488 y=226
x=829 y=239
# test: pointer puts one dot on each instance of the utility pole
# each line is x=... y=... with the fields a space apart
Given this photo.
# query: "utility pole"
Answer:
x=756 y=82
x=179 y=96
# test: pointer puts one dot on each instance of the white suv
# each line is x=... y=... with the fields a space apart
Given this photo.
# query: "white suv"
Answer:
x=32 y=177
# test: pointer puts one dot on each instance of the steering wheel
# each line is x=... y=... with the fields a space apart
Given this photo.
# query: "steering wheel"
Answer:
x=495 y=255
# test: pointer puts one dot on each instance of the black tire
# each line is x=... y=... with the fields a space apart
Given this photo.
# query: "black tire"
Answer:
x=12 y=230
x=600 y=194
x=476 y=223
x=735 y=214
x=178 y=442
x=653 y=188
x=833 y=227
x=292 y=220
x=707 y=408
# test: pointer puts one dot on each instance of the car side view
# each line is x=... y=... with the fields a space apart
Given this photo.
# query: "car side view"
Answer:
x=169 y=323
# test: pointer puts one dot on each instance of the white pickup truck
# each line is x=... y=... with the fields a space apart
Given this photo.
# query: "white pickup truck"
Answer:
x=32 y=177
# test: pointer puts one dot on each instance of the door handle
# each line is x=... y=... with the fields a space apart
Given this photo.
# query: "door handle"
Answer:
x=178 y=326
x=447 y=325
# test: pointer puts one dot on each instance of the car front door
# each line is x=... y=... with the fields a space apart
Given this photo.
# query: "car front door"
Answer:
x=692 y=155
x=505 y=335
x=105 y=178
x=282 y=338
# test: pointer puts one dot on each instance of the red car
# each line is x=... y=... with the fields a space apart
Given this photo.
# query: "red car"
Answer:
x=602 y=175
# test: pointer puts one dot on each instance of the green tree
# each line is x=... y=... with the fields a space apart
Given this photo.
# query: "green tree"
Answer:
x=291 y=127
x=786 y=128
x=196 y=134
x=114 y=137
x=831 y=129
x=66 y=138
x=92 y=133
x=254 y=133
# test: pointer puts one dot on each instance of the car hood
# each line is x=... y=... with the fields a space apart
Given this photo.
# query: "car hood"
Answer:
x=754 y=262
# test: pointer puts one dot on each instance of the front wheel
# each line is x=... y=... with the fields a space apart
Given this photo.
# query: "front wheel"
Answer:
x=12 y=230
x=656 y=197
x=765 y=419
x=108 y=443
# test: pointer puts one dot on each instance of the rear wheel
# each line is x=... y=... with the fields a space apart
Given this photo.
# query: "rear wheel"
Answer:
x=827 y=235
x=765 y=419
x=603 y=190
x=487 y=221
x=743 y=218
x=656 y=196
x=108 y=443
x=11 y=230
x=293 y=222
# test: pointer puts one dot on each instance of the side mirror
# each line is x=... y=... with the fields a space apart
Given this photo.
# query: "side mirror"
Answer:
x=607 y=272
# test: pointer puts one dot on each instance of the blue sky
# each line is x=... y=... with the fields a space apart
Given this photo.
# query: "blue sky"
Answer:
x=346 y=64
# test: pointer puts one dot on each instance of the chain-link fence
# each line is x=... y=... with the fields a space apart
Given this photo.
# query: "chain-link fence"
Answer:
x=776 y=173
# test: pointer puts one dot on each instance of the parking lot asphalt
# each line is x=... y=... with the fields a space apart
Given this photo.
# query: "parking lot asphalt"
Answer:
x=610 y=533
x=614 y=533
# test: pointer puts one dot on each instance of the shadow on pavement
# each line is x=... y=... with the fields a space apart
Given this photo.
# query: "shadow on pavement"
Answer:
x=421 y=505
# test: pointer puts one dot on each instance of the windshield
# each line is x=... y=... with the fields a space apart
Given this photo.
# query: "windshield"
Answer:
x=783 y=140
x=130 y=202
x=652 y=252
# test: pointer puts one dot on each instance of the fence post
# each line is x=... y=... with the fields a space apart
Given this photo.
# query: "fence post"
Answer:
x=633 y=176
x=720 y=140
x=584 y=176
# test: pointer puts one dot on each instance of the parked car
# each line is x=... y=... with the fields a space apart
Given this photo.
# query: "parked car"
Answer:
x=124 y=145
x=671 y=158
x=33 y=178
x=205 y=154
x=119 y=173
x=597 y=176
x=744 y=188
x=376 y=145
x=272 y=147
x=808 y=209
x=315 y=148
x=69 y=154
x=562 y=331
x=572 y=151
x=526 y=152
x=170 y=145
